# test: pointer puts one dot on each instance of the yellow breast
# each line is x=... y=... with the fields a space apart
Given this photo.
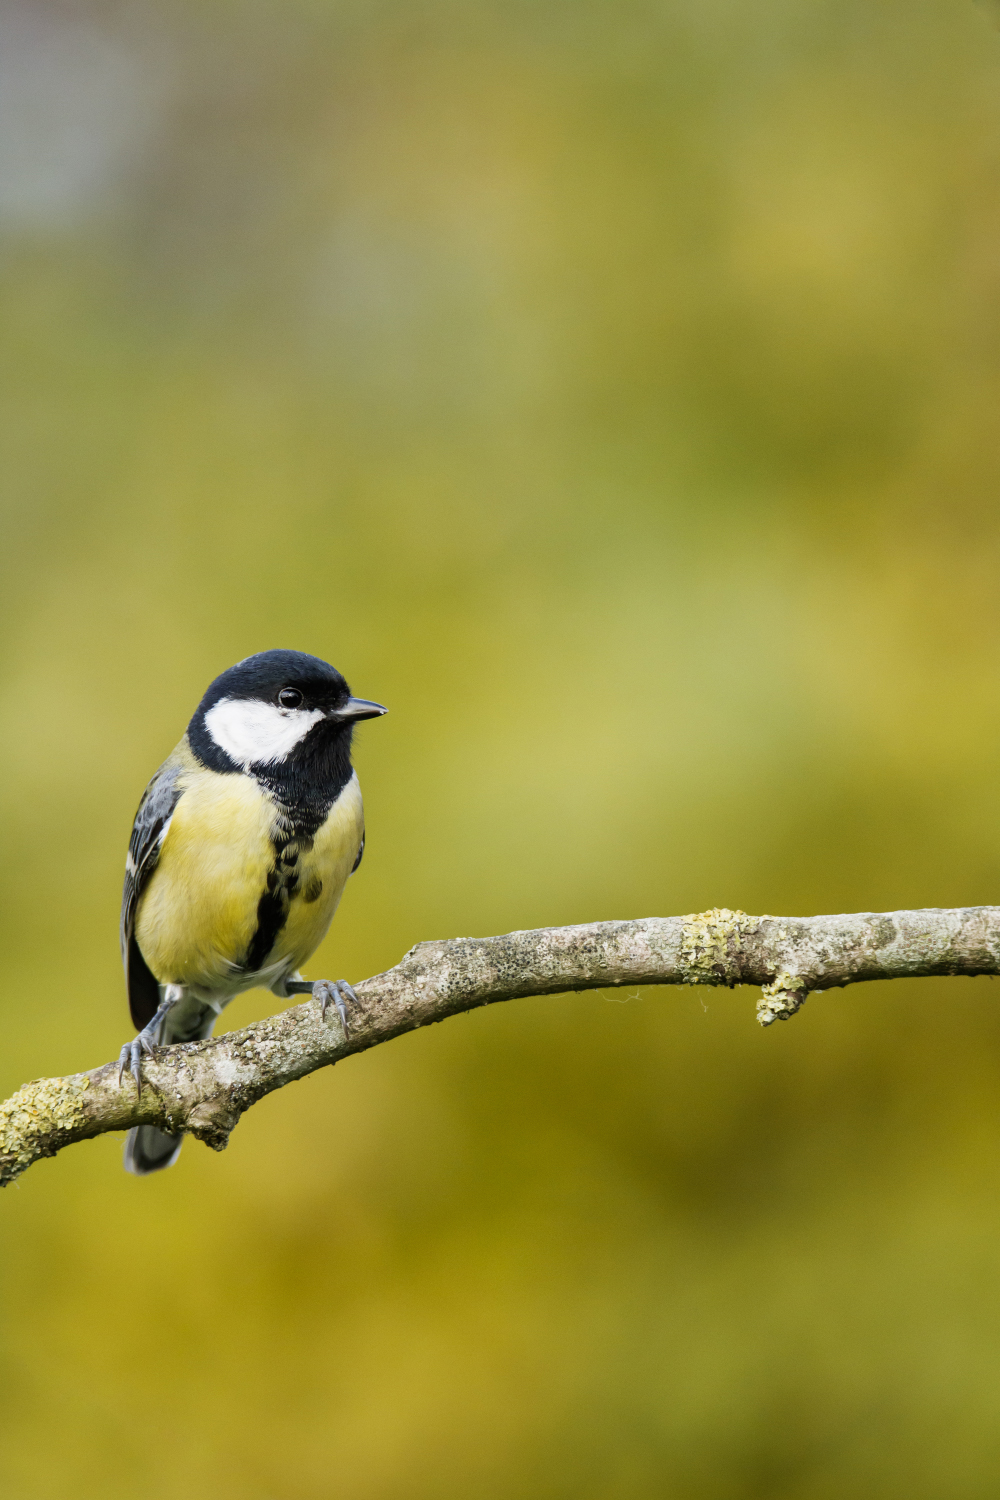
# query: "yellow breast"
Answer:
x=197 y=918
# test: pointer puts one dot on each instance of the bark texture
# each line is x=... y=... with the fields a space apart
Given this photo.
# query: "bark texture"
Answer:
x=202 y=1088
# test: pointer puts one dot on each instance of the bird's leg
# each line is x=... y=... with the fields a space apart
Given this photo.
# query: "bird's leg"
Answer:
x=337 y=991
x=149 y=1037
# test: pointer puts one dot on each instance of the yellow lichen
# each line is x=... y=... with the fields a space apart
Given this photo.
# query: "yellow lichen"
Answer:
x=705 y=944
x=781 y=998
x=44 y=1108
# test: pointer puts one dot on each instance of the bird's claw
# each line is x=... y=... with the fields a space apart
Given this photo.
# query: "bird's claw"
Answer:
x=337 y=991
x=131 y=1057
x=149 y=1038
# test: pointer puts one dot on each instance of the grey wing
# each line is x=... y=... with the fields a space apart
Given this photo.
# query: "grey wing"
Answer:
x=151 y=821
x=360 y=853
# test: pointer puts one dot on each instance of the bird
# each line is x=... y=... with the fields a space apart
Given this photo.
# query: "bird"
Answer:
x=240 y=851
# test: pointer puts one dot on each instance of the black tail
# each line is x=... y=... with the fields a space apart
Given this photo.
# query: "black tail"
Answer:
x=150 y=1150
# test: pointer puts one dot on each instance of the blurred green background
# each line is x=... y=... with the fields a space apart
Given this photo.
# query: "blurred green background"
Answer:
x=612 y=388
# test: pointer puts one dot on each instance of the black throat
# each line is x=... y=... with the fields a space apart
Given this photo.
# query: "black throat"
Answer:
x=309 y=781
x=305 y=785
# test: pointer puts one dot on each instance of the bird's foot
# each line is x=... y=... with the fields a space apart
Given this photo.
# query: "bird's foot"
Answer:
x=149 y=1037
x=132 y=1054
x=337 y=992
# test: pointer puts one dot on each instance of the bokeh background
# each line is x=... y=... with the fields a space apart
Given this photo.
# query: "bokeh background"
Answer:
x=612 y=388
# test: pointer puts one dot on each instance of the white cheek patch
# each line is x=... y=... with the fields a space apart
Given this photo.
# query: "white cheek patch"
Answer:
x=254 y=733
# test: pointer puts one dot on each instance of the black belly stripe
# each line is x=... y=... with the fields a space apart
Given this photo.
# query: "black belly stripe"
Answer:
x=288 y=839
x=272 y=913
x=293 y=832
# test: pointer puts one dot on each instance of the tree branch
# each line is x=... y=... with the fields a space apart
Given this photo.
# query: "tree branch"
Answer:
x=202 y=1088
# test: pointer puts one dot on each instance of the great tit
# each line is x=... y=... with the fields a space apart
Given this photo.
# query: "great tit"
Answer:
x=240 y=851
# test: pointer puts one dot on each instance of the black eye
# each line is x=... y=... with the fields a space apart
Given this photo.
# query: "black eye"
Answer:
x=289 y=697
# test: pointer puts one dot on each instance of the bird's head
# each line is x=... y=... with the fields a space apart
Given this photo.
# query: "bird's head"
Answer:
x=274 y=708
